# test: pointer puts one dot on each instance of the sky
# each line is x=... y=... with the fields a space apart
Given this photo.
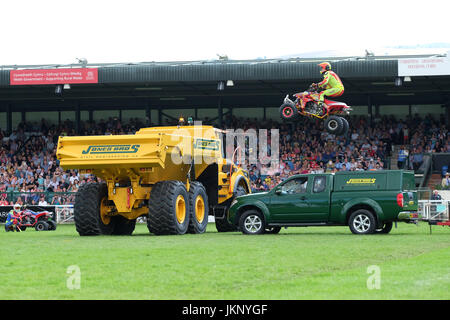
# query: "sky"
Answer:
x=59 y=32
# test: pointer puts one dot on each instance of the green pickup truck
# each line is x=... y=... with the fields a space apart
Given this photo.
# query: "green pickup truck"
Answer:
x=366 y=201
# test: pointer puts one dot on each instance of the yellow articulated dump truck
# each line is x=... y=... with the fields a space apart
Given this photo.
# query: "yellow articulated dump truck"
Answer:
x=175 y=176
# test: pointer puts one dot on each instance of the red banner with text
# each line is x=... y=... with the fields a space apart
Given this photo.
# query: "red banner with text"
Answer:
x=53 y=76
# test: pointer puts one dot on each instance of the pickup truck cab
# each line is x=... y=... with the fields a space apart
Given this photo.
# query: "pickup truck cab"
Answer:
x=367 y=202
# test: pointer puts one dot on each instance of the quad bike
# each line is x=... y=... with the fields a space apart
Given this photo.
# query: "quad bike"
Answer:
x=41 y=221
x=307 y=104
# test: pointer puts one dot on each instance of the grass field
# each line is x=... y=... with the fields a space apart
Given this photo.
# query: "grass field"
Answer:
x=299 y=263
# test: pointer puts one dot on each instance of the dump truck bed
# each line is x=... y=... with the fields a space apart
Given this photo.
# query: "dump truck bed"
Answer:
x=151 y=152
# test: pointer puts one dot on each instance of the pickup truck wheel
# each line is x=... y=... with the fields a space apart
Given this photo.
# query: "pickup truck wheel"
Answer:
x=199 y=208
x=362 y=222
x=387 y=227
x=272 y=230
x=252 y=222
x=168 y=209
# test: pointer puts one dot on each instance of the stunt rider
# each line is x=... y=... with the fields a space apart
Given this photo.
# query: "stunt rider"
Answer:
x=13 y=217
x=331 y=83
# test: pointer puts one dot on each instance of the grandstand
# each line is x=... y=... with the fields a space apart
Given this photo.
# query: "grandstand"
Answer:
x=397 y=110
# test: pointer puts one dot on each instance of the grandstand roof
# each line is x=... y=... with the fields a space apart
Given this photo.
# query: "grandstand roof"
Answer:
x=261 y=82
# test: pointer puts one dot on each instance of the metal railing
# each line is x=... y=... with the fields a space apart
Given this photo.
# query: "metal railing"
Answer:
x=434 y=210
x=33 y=198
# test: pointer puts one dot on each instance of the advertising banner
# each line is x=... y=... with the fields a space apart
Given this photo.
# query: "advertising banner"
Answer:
x=432 y=66
x=53 y=76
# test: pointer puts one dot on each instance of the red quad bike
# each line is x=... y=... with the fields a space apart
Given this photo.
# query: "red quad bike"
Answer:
x=41 y=221
x=306 y=104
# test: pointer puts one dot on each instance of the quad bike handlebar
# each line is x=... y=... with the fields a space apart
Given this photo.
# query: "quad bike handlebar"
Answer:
x=314 y=87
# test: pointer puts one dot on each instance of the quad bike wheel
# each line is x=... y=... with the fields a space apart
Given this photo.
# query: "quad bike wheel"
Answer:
x=51 y=225
x=334 y=125
x=288 y=112
x=345 y=128
x=41 y=226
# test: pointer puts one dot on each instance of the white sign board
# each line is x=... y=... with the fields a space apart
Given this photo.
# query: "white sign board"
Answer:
x=432 y=66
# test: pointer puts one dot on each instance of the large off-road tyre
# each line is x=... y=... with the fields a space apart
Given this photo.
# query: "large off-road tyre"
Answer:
x=334 y=125
x=387 y=227
x=222 y=225
x=168 y=209
x=362 y=221
x=345 y=127
x=87 y=218
x=288 y=112
x=252 y=222
x=198 y=207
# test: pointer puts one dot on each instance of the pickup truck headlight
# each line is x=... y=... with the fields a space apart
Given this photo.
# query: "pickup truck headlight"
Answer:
x=233 y=202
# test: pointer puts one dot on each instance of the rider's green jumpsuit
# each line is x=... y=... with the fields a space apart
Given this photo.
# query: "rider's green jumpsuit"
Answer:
x=333 y=85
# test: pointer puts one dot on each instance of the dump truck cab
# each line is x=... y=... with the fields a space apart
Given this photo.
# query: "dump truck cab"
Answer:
x=154 y=173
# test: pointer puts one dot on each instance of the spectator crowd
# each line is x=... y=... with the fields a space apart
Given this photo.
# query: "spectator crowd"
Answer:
x=30 y=171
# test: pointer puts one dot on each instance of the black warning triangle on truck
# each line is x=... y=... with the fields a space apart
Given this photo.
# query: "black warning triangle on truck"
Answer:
x=365 y=201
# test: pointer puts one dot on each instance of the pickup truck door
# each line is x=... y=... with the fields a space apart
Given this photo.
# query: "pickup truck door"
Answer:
x=318 y=198
x=288 y=203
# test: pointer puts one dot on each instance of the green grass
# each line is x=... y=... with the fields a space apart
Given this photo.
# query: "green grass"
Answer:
x=299 y=263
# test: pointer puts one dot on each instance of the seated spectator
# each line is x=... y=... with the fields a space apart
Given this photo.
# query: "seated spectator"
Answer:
x=446 y=181
x=436 y=195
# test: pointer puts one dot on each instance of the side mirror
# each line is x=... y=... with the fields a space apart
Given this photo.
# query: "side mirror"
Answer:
x=279 y=191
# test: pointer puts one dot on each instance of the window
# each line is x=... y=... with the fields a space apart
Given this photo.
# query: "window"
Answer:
x=295 y=186
x=320 y=184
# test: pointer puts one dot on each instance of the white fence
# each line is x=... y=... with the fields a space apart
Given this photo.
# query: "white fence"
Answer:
x=64 y=214
x=434 y=210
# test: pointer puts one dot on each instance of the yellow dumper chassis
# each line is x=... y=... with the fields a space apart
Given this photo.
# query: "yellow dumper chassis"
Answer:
x=174 y=176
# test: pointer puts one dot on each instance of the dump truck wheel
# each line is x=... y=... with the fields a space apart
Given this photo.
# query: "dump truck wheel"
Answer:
x=199 y=208
x=123 y=226
x=86 y=210
x=168 y=210
x=222 y=225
